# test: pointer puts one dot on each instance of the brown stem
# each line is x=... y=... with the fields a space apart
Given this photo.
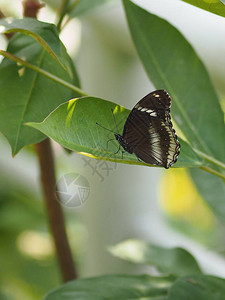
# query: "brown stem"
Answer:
x=31 y=8
x=54 y=210
x=8 y=35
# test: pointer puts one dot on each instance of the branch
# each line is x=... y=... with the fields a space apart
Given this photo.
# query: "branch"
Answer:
x=8 y=35
x=31 y=8
x=54 y=210
x=47 y=167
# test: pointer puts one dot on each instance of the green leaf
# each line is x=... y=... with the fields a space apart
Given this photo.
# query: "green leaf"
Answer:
x=172 y=64
x=73 y=125
x=200 y=287
x=26 y=95
x=82 y=7
x=113 y=287
x=46 y=34
x=176 y=261
x=212 y=190
x=213 y=6
x=188 y=158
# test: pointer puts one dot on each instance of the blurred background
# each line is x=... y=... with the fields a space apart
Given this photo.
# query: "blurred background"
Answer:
x=125 y=201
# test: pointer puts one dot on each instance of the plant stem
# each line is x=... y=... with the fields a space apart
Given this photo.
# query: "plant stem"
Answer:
x=54 y=210
x=31 y=8
x=65 y=9
x=47 y=169
x=211 y=159
x=75 y=3
x=62 y=13
x=207 y=169
x=8 y=35
x=43 y=72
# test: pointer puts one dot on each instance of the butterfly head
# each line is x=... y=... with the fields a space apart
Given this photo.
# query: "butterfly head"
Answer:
x=123 y=143
x=118 y=137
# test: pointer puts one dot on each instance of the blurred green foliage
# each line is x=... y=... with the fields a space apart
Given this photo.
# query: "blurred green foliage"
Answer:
x=24 y=275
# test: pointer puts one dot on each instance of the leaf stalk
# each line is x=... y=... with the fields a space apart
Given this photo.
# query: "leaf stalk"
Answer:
x=43 y=72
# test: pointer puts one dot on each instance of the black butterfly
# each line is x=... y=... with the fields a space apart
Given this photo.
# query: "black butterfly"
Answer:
x=148 y=131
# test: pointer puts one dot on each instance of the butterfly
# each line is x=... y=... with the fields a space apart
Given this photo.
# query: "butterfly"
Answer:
x=148 y=131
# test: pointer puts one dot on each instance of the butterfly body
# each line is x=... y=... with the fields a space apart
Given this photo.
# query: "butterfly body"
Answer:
x=123 y=143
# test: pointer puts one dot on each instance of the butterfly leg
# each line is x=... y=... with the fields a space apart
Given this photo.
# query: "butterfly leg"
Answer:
x=110 y=140
x=117 y=150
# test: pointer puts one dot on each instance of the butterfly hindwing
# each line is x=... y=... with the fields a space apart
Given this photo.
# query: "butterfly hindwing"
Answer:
x=148 y=131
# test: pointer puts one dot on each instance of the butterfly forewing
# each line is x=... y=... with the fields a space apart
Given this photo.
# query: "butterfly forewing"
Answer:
x=148 y=131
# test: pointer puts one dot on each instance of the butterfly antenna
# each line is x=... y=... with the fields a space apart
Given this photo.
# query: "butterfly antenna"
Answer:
x=114 y=120
x=104 y=127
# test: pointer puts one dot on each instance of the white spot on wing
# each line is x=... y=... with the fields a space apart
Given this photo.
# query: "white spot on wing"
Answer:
x=156 y=95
